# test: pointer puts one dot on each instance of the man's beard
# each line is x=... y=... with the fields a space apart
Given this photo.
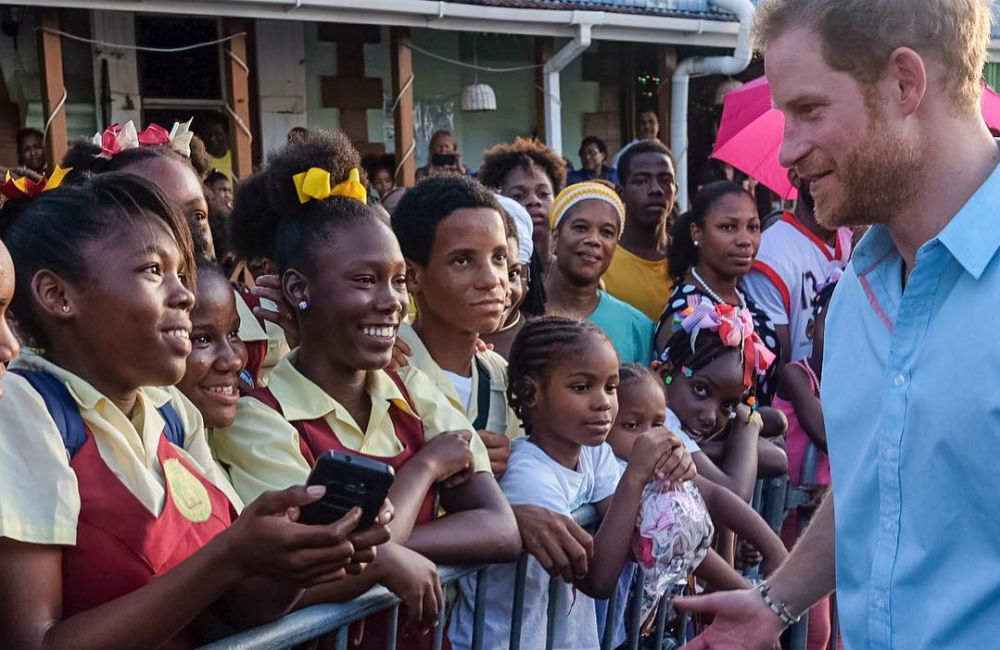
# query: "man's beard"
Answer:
x=876 y=179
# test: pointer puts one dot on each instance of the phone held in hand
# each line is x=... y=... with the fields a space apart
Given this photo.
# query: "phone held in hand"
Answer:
x=351 y=481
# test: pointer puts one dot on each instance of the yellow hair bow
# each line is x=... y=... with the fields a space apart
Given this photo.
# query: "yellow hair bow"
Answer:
x=315 y=184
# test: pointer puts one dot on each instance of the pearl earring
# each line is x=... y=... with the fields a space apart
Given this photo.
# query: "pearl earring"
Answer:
x=303 y=305
x=697 y=243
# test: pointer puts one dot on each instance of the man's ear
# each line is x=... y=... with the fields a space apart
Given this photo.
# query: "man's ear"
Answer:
x=295 y=288
x=908 y=76
x=54 y=297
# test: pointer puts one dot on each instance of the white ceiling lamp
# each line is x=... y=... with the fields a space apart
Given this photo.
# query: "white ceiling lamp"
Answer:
x=478 y=97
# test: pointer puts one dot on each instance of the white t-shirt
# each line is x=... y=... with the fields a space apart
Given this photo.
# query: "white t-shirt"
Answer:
x=463 y=386
x=532 y=478
x=673 y=423
x=791 y=265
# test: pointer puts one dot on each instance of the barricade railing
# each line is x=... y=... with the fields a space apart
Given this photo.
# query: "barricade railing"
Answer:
x=322 y=620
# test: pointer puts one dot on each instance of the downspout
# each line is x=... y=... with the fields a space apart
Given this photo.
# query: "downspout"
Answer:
x=702 y=65
x=550 y=74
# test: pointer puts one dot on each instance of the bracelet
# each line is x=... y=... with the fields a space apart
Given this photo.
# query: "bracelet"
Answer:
x=780 y=609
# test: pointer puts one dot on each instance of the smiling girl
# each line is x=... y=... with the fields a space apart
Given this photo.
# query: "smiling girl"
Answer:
x=114 y=511
x=342 y=270
x=212 y=376
x=563 y=384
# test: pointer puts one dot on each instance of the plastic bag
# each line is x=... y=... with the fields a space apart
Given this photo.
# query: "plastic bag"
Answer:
x=672 y=535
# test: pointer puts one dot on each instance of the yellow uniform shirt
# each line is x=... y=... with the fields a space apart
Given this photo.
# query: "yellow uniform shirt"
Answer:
x=261 y=448
x=250 y=330
x=642 y=283
x=40 y=501
x=501 y=419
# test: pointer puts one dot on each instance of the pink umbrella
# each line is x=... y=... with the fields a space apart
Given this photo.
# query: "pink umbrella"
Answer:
x=751 y=131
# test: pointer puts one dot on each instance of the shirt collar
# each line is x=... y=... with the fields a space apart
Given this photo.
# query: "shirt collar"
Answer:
x=301 y=399
x=973 y=235
x=82 y=391
x=874 y=246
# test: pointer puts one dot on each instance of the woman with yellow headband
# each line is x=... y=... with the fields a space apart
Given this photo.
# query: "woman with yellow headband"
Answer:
x=344 y=275
x=587 y=220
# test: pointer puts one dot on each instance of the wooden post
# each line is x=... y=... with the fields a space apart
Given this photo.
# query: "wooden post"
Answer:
x=545 y=47
x=238 y=96
x=53 y=89
x=402 y=89
x=666 y=58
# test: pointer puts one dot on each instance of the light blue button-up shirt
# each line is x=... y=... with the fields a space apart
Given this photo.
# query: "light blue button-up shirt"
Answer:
x=911 y=395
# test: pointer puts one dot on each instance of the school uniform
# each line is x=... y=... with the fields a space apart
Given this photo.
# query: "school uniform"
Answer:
x=265 y=342
x=129 y=499
x=483 y=401
x=280 y=430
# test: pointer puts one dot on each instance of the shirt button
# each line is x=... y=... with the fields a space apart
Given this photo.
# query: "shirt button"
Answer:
x=887 y=525
x=880 y=603
x=899 y=380
x=891 y=453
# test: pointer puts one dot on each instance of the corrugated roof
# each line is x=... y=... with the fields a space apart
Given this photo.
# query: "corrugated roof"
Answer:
x=675 y=8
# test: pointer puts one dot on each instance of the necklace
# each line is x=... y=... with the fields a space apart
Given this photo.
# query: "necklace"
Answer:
x=711 y=294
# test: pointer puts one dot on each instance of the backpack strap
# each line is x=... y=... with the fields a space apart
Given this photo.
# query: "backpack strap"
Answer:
x=65 y=412
x=173 y=427
x=61 y=407
x=483 y=388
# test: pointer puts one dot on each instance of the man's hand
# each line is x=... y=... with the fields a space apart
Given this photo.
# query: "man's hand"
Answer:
x=742 y=621
x=559 y=544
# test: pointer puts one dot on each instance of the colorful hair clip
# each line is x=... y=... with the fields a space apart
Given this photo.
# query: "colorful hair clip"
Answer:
x=25 y=188
x=118 y=138
x=687 y=372
x=668 y=379
x=655 y=365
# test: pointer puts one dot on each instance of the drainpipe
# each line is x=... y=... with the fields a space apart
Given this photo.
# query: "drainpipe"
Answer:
x=698 y=66
x=550 y=73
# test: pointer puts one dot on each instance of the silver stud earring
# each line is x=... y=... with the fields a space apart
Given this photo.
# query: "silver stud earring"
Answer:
x=303 y=305
x=697 y=243
x=65 y=309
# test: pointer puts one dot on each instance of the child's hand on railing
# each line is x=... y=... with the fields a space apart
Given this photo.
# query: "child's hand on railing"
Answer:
x=559 y=544
x=414 y=580
x=448 y=457
x=266 y=540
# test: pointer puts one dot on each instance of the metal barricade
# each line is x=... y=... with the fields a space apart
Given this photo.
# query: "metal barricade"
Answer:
x=321 y=620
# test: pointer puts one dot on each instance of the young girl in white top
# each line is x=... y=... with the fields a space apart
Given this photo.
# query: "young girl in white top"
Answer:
x=563 y=385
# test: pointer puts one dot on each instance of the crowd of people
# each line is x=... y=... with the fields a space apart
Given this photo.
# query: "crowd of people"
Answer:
x=516 y=342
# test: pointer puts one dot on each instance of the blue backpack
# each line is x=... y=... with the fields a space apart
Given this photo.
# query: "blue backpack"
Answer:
x=66 y=414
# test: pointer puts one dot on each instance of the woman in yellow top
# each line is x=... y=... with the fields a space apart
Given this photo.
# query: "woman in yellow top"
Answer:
x=108 y=481
x=342 y=270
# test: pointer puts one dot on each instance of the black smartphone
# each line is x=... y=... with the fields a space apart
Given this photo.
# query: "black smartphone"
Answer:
x=443 y=159
x=351 y=481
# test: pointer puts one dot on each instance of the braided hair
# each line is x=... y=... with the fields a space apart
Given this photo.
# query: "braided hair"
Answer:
x=633 y=372
x=540 y=345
